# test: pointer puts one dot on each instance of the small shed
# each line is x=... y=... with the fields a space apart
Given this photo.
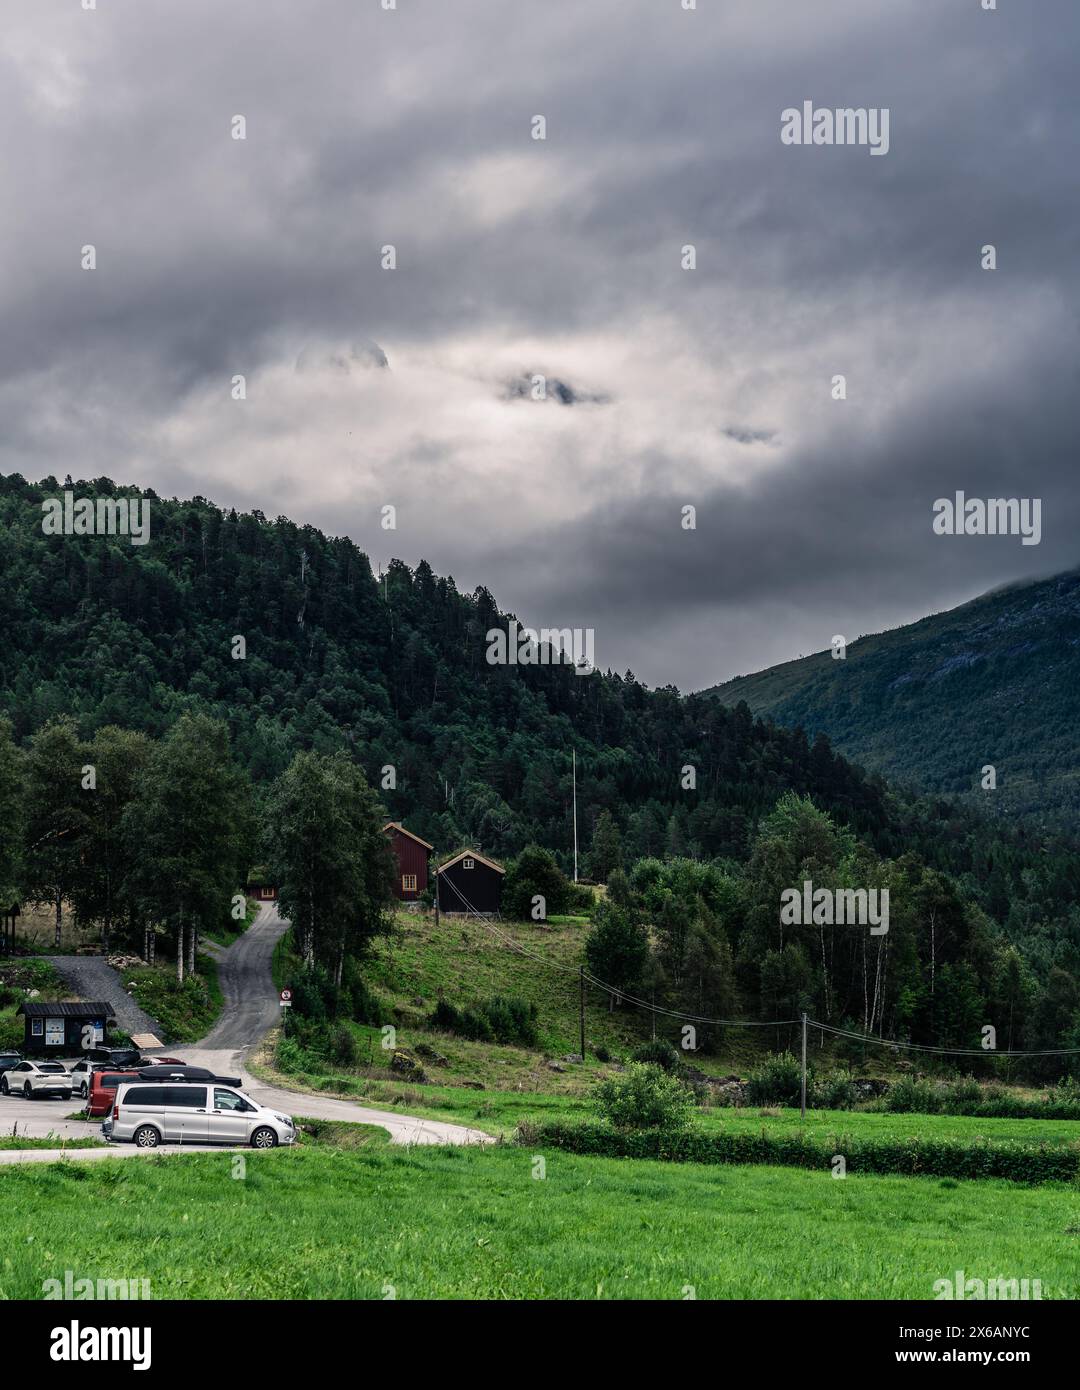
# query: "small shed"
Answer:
x=411 y=854
x=471 y=884
x=53 y=1029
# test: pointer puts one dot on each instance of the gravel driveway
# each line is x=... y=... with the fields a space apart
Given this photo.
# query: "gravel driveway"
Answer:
x=90 y=978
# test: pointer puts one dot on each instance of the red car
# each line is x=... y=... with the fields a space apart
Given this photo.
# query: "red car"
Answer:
x=103 y=1086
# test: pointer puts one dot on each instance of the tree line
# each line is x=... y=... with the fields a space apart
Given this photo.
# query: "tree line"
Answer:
x=140 y=838
x=709 y=939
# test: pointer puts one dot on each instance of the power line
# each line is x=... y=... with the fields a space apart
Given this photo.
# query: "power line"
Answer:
x=779 y=1022
x=945 y=1051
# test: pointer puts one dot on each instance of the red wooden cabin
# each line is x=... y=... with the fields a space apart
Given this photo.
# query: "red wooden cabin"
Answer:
x=411 y=854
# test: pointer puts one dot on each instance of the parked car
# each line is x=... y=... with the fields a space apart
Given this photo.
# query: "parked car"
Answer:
x=33 y=1079
x=188 y=1112
x=85 y=1067
x=80 y=1076
x=114 y=1056
x=9 y=1060
x=103 y=1084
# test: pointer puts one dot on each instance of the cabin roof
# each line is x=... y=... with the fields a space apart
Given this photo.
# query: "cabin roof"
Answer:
x=397 y=825
x=472 y=854
x=36 y=1009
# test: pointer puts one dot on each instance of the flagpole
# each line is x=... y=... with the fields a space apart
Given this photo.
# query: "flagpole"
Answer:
x=575 y=813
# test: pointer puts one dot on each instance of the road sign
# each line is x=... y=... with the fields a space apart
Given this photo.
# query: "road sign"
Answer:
x=286 y=998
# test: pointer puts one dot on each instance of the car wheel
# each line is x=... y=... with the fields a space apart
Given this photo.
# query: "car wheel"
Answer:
x=82 y=1091
x=264 y=1138
x=147 y=1137
x=4 y=1086
x=27 y=1091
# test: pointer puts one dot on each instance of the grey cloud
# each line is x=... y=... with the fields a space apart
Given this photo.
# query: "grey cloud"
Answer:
x=411 y=127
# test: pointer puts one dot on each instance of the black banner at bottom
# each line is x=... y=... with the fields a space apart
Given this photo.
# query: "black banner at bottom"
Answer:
x=129 y=1337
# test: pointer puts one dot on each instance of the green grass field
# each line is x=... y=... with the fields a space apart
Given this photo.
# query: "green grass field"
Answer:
x=322 y=1222
x=500 y=1112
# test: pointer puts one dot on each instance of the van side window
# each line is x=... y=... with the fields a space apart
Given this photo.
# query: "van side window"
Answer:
x=146 y=1095
x=228 y=1100
x=186 y=1097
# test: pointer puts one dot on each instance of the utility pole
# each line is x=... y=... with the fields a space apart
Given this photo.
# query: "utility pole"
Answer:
x=802 y=1100
x=574 y=751
x=581 y=996
x=436 y=891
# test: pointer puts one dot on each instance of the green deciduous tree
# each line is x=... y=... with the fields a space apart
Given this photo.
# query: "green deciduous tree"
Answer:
x=190 y=831
x=332 y=864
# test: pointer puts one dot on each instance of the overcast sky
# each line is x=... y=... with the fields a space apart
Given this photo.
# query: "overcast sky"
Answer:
x=709 y=387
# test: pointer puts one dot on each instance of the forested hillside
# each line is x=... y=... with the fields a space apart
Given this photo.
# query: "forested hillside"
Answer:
x=394 y=669
x=994 y=683
x=391 y=674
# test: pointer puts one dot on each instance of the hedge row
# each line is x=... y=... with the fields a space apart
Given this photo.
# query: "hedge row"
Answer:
x=943 y=1158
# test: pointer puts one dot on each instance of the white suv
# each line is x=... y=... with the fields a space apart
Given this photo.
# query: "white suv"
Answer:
x=32 y=1079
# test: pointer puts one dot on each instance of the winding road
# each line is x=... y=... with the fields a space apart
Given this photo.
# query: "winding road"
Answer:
x=251 y=1009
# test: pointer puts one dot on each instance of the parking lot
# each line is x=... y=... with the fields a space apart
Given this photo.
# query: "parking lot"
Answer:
x=45 y=1117
x=37 y=1119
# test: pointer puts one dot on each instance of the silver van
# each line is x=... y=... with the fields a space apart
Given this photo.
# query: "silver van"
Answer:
x=187 y=1112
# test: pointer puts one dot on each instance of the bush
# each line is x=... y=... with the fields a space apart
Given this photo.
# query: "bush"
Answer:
x=1065 y=1092
x=601 y=1053
x=660 y=1053
x=909 y=1096
x=945 y=1158
x=341 y=1045
x=502 y=1019
x=12 y=1032
x=310 y=989
x=358 y=1000
x=836 y=1092
x=534 y=872
x=644 y=1097
x=778 y=1081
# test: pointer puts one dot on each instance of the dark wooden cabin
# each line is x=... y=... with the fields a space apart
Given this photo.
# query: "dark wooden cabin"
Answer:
x=470 y=884
x=57 y=1030
x=411 y=854
x=259 y=886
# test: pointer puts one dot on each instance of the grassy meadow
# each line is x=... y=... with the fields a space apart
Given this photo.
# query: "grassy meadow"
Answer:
x=371 y=1222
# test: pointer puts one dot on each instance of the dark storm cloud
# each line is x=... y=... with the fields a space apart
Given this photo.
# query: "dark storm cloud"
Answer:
x=411 y=127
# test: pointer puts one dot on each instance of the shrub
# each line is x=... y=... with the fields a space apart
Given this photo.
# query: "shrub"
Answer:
x=644 y=1097
x=358 y=1000
x=959 y=1097
x=602 y=1054
x=836 y=1092
x=778 y=1081
x=909 y=1096
x=944 y=1158
x=502 y=1018
x=1065 y=1092
x=534 y=872
x=660 y=1053
x=341 y=1045
x=11 y=1032
x=309 y=993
